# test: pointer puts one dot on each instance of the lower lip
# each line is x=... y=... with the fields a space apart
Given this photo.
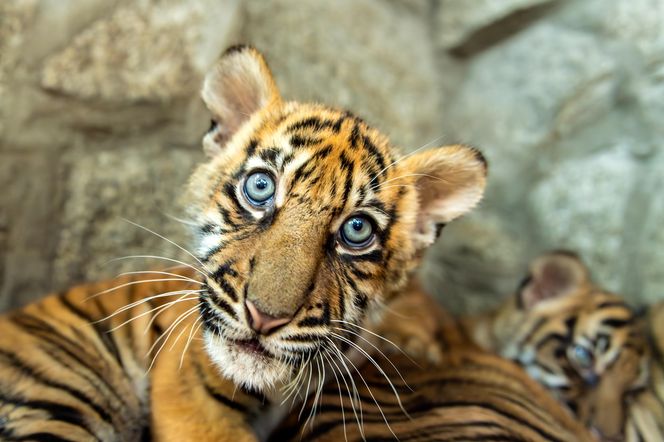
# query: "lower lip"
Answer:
x=252 y=346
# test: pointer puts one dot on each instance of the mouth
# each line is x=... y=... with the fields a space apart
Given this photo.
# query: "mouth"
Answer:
x=252 y=346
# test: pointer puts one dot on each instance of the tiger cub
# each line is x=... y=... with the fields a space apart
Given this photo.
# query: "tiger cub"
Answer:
x=584 y=344
x=471 y=395
x=308 y=223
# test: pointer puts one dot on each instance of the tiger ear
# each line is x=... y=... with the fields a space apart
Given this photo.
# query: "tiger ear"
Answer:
x=552 y=275
x=239 y=85
x=450 y=181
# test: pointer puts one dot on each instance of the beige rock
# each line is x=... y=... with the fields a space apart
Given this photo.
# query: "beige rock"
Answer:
x=363 y=55
x=105 y=188
x=458 y=20
x=150 y=51
x=476 y=262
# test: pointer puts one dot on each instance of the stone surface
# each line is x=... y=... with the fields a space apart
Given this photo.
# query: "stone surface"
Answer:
x=107 y=188
x=15 y=16
x=384 y=72
x=478 y=260
x=149 y=51
x=636 y=24
x=458 y=20
x=647 y=285
x=582 y=205
x=528 y=92
x=28 y=221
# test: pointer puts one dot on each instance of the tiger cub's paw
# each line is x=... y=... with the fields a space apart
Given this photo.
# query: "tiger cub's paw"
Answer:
x=411 y=324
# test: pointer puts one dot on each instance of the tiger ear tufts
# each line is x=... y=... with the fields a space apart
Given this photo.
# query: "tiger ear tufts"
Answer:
x=450 y=182
x=238 y=85
x=553 y=275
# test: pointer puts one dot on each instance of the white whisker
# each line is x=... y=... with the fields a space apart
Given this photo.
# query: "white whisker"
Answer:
x=375 y=364
x=379 y=351
x=149 y=298
x=157 y=272
x=156 y=309
x=157 y=257
x=382 y=338
x=398 y=160
x=166 y=239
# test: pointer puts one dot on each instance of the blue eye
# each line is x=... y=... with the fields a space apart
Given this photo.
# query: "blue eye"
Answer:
x=357 y=232
x=582 y=356
x=259 y=188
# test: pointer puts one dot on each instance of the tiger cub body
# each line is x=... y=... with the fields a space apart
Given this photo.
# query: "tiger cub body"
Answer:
x=586 y=345
x=307 y=222
x=469 y=395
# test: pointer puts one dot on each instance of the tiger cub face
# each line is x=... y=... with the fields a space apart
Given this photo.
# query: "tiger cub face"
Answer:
x=583 y=343
x=307 y=220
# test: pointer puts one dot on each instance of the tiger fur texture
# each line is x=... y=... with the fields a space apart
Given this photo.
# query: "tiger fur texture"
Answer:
x=584 y=344
x=471 y=395
x=308 y=222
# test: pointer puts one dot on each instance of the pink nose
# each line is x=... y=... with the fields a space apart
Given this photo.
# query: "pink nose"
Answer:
x=262 y=322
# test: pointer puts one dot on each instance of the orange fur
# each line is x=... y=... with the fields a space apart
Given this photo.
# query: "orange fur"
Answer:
x=284 y=260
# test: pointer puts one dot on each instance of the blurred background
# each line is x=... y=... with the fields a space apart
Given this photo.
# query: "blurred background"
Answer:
x=100 y=120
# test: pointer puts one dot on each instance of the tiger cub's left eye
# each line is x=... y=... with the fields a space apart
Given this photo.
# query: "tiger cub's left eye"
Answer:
x=259 y=188
x=357 y=232
x=582 y=356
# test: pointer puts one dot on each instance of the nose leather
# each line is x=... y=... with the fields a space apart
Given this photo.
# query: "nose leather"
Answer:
x=262 y=322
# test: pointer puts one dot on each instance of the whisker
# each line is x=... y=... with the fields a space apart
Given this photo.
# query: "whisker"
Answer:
x=406 y=175
x=143 y=300
x=168 y=334
x=379 y=351
x=157 y=272
x=398 y=160
x=356 y=395
x=156 y=309
x=157 y=257
x=165 y=307
x=166 y=239
x=304 y=402
x=380 y=409
x=127 y=284
x=382 y=338
x=189 y=339
x=180 y=220
x=333 y=364
x=378 y=367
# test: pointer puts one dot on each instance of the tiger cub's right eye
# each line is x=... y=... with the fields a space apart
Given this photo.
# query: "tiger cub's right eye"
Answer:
x=259 y=188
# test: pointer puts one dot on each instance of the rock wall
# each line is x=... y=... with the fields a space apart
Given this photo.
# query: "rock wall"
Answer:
x=100 y=122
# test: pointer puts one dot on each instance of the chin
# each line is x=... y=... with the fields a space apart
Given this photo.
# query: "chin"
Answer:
x=245 y=366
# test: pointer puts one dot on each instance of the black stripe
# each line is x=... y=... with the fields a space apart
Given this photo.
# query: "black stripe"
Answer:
x=15 y=362
x=47 y=334
x=298 y=141
x=100 y=328
x=313 y=123
x=57 y=411
x=229 y=191
x=616 y=322
x=218 y=396
x=223 y=305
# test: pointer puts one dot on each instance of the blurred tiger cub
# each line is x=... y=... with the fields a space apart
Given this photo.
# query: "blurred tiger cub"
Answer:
x=585 y=344
x=308 y=222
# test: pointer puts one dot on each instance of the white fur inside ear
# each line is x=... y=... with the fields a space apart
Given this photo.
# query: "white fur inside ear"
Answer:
x=450 y=182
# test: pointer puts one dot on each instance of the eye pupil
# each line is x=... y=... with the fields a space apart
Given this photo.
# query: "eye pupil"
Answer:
x=357 y=232
x=582 y=355
x=261 y=183
x=259 y=188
